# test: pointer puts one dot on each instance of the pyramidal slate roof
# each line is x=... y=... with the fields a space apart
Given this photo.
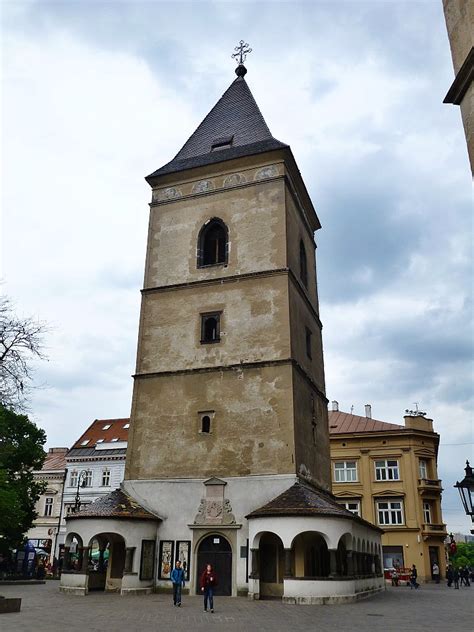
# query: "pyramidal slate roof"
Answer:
x=236 y=119
x=302 y=499
x=116 y=504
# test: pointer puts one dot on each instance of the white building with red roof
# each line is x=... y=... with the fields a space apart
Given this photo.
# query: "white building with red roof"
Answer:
x=95 y=465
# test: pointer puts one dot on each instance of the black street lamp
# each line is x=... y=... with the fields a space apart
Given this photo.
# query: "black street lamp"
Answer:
x=81 y=482
x=465 y=488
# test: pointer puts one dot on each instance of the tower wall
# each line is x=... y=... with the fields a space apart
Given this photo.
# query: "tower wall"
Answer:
x=251 y=410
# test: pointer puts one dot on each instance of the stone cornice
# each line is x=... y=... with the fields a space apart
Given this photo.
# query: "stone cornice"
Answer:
x=462 y=81
x=234 y=278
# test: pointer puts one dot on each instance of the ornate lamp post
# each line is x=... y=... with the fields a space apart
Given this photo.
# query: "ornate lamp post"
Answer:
x=465 y=488
x=81 y=482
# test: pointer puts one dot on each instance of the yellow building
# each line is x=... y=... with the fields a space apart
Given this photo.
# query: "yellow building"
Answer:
x=387 y=474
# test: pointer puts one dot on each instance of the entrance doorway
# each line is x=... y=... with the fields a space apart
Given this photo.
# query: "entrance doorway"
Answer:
x=434 y=559
x=271 y=566
x=106 y=562
x=216 y=550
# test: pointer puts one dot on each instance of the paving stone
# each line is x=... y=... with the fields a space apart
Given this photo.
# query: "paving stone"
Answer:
x=45 y=609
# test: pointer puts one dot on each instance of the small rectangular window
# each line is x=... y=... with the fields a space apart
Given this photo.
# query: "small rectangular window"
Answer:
x=308 y=343
x=73 y=479
x=427 y=512
x=390 y=512
x=345 y=472
x=48 y=506
x=210 y=328
x=126 y=426
x=351 y=505
x=87 y=481
x=423 y=469
x=85 y=442
x=105 y=478
x=106 y=427
x=387 y=470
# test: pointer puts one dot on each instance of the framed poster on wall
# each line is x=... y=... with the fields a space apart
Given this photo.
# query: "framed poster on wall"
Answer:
x=183 y=554
x=147 y=560
x=166 y=559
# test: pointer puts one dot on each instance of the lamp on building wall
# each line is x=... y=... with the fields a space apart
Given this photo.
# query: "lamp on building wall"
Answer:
x=465 y=488
x=81 y=482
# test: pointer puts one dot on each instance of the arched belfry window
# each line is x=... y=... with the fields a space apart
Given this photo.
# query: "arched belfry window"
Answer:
x=303 y=265
x=213 y=243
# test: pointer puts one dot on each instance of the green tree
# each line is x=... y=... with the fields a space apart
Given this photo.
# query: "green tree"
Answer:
x=464 y=555
x=21 y=452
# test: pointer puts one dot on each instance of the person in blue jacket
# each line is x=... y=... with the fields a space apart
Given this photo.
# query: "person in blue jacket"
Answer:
x=177 y=577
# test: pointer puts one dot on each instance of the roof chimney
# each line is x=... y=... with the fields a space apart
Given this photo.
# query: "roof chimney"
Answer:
x=368 y=411
x=335 y=405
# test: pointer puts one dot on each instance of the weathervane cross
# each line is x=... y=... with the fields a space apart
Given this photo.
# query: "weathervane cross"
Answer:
x=242 y=50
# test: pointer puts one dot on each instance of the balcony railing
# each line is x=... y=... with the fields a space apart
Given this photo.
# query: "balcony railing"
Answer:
x=434 y=529
x=429 y=484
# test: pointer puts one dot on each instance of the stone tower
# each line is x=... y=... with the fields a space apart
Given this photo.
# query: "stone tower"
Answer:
x=230 y=375
x=228 y=452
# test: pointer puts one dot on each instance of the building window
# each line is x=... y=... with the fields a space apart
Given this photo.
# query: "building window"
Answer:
x=308 y=343
x=303 y=265
x=351 y=505
x=387 y=470
x=345 y=471
x=390 y=512
x=73 y=478
x=126 y=426
x=106 y=427
x=206 y=424
x=85 y=442
x=423 y=469
x=210 y=328
x=87 y=479
x=427 y=513
x=48 y=506
x=105 y=477
x=212 y=244
x=69 y=508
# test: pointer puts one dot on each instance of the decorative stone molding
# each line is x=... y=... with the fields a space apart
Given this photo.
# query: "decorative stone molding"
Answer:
x=266 y=172
x=170 y=193
x=214 y=509
x=202 y=186
x=234 y=179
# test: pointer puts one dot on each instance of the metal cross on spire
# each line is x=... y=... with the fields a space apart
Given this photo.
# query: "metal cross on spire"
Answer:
x=242 y=50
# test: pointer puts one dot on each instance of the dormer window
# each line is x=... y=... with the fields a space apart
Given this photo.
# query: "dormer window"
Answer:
x=126 y=426
x=100 y=441
x=106 y=427
x=224 y=142
x=114 y=439
x=85 y=442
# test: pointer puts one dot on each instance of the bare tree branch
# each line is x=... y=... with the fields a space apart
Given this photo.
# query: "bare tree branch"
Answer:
x=21 y=342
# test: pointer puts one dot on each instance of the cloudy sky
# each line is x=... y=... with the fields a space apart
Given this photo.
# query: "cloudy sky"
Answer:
x=98 y=94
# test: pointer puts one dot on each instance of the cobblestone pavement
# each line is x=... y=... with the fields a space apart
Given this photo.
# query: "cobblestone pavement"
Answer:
x=45 y=609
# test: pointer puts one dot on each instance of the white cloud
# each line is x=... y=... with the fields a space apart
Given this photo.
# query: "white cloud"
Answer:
x=82 y=127
x=91 y=105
